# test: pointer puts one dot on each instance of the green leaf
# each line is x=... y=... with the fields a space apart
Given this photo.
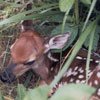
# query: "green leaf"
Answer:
x=73 y=92
x=26 y=15
x=68 y=28
x=39 y=93
x=15 y=5
x=86 y=1
x=56 y=18
x=89 y=52
x=2 y=1
x=21 y=92
x=1 y=96
x=66 y=5
x=95 y=41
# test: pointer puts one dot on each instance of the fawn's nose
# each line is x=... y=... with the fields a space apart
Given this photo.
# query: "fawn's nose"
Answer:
x=7 y=76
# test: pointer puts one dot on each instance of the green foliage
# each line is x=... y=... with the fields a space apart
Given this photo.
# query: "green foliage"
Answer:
x=65 y=8
x=65 y=19
x=65 y=5
x=86 y=1
x=89 y=51
x=1 y=96
x=95 y=41
x=73 y=92
x=21 y=92
x=23 y=16
x=56 y=18
x=1 y=1
x=89 y=14
x=39 y=93
x=65 y=92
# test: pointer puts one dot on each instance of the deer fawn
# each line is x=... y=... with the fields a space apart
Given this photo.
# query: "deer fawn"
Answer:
x=30 y=51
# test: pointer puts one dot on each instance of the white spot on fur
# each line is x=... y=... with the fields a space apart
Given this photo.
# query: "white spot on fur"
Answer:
x=91 y=59
x=81 y=76
x=80 y=70
x=83 y=81
x=52 y=69
x=77 y=81
x=97 y=61
x=96 y=82
x=78 y=57
x=71 y=80
x=76 y=68
x=60 y=85
x=75 y=73
x=98 y=74
x=84 y=58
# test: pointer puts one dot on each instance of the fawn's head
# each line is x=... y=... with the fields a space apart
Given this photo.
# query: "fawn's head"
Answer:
x=30 y=51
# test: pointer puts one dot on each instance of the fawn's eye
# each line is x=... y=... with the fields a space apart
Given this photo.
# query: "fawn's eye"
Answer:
x=29 y=63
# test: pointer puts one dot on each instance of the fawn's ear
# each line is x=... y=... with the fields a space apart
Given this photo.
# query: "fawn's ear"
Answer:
x=57 y=42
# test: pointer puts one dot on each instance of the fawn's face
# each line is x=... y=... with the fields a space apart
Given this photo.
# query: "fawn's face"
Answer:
x=30 y=52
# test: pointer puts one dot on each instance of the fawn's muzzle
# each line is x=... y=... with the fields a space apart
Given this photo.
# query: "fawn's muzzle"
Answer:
x=7 y=76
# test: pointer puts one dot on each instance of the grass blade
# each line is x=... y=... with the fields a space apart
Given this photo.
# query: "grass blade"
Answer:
x=89 y=14
x=89 y=52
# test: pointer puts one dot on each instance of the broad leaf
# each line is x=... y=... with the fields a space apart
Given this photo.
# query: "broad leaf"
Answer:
x=95 y=41
x=86 y=1
x=2 y=1
x=21 y=92
x=39 y=93
x=66 y=5
x=56 y=18
x=73 y=92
